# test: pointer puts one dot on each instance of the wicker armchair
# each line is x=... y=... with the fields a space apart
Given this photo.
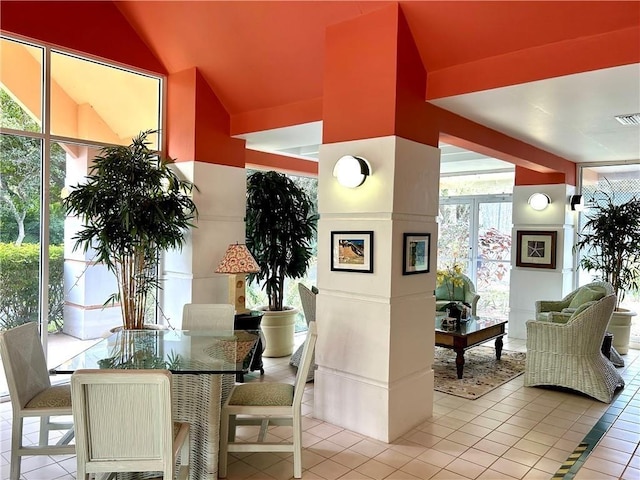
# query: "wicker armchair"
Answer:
x=569 y=354
x=561 y=310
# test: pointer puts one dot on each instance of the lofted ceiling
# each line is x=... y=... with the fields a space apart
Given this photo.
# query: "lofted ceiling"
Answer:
x=264 y=54
x=551 y=74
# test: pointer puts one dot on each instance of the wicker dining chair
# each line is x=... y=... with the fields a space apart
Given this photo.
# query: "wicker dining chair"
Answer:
x=208 y=316
x=32 y=395
x=264 y=404
x=124 y=423
x=308 y=301
x=211 y=316
x=569 y=354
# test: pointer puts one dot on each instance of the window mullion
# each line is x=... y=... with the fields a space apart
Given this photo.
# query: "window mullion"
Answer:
x=44 y=200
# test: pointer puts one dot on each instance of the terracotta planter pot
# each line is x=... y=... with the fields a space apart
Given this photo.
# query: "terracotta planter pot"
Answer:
x=278 y=329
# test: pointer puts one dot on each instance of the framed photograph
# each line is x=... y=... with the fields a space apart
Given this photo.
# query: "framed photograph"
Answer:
x=536 y=249
x=352 y=251
x=415 y=253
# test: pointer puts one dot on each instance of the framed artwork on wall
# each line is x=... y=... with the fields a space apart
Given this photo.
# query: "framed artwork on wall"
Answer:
x=352 y=251
x=536 y=249
x=415 y=253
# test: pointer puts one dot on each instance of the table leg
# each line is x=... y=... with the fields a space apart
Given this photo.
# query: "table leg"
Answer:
x=459 y=362
x=498 y=348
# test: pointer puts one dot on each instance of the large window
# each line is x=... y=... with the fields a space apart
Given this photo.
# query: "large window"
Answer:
x=256 y=296
x=56 y=111
x=622 y=182
x=475 y=231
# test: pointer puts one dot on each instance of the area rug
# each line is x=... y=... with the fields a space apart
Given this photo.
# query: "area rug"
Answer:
x=482 y=372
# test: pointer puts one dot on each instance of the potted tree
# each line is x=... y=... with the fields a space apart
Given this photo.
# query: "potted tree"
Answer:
x=280 y=226
x=610 y=240
x=132 y=207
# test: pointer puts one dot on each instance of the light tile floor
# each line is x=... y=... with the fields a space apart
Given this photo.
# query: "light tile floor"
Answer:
x=512 y=432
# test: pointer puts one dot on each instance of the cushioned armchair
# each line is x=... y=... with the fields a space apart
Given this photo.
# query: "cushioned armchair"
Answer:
x=466 y=294
x=569 y=354
x=559 y=311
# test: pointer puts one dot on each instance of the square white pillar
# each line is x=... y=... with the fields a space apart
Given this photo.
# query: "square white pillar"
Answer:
x=376 y=330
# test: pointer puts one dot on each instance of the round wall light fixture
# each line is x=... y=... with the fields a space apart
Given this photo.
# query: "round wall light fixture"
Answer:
x=539 y=201
x=577 y=203
x=351 y=171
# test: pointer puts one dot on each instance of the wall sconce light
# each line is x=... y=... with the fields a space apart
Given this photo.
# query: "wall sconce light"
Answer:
x=351 y=171
x=237 y=262
x=577 y=203
x=539 y=201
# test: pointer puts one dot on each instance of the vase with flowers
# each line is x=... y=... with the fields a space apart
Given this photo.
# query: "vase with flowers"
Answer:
x=454 y=292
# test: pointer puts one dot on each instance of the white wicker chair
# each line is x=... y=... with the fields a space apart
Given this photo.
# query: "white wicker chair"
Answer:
x=211 y=316
x=32 y=395
x=208 y=316
x=267 y=403
x=569 y=354
x=124 y=423
x=308 y=300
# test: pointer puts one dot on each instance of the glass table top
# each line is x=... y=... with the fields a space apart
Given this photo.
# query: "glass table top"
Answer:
x=469 y=326
x=180 y=351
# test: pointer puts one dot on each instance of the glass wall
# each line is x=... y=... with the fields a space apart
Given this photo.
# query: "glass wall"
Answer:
x=52 y=123
x=475 y=231
x=622 y=183
x=256 y=296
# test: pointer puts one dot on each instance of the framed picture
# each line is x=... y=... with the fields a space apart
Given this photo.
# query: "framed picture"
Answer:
x=536 y=249
x=352 y=251
x=415 y=253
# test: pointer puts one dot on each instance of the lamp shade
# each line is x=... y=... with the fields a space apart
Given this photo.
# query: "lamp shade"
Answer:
x=237 y=259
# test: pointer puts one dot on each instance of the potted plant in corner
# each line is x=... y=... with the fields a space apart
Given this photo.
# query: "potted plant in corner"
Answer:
x=132 y=206
x=610 y=240
x=280 y=227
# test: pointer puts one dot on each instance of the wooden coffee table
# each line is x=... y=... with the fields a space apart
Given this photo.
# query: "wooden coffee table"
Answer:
x=473 y=332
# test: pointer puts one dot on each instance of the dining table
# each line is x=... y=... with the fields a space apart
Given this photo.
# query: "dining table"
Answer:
x=204 y=365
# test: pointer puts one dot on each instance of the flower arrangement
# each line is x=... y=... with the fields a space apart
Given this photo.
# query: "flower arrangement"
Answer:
x=451 y=277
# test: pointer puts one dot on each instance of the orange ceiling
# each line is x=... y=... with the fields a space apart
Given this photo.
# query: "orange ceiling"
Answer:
x=264 y=60
x=264 y=54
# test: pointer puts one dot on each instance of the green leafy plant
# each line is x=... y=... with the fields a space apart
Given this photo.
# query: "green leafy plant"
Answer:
x=280 y=228
x=132 y=207
x=610 y=240
x=19 y=288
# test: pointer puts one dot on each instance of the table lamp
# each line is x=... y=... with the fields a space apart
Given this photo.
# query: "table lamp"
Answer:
x=237 y=262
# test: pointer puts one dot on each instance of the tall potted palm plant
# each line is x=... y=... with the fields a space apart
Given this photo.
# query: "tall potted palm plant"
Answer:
x=610 y=240
x=280 y=226
x=132 y=206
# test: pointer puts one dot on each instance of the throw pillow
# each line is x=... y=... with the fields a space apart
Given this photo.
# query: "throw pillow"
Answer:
x=582 y=308
x=585 y=294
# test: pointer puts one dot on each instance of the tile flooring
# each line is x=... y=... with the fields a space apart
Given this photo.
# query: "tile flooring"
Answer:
x=512 y=432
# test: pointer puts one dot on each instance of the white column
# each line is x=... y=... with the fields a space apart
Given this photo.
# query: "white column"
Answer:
x=188 y=275
x=376 y=331
x=530 y=284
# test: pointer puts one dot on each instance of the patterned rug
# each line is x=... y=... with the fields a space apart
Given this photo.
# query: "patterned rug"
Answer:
x=482 y=372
